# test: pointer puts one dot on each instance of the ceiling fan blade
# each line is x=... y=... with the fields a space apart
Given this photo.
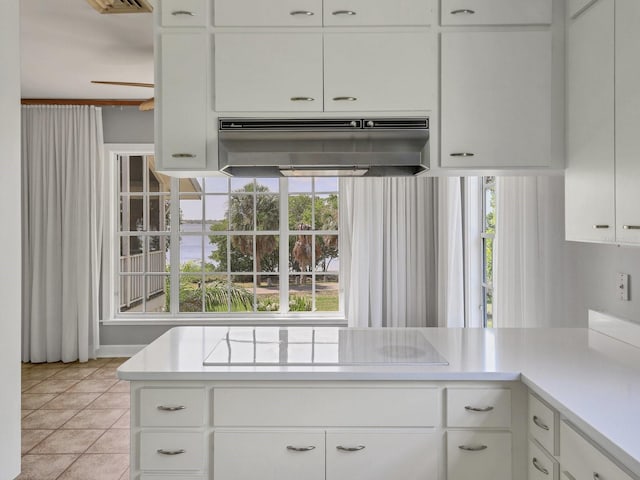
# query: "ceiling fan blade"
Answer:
x=124 y=84
x=147 y=105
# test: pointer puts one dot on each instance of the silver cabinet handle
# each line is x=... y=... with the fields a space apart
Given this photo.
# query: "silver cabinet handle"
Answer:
x=539 y=467
x=472 y=448
x=183 y=12
x=300 y=449
x=463 y=11
x=631 y=227
x=302 y=99
x=345 y=99
x=462 y=154
x=343 y=12
x=183 y=155
x=600 y=227
x=539 y=423
x=477 y=409
x=162 y=451
x=301 y=12
x=350 y=449
x=171 y=408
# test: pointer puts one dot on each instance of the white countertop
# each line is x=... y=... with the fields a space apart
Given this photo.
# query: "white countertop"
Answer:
x=592 y=379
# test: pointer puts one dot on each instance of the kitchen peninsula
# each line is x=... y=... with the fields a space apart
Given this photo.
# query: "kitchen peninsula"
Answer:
x=470 y=411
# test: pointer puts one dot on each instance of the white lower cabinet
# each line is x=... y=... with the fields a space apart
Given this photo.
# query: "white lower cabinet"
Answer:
x=478 y=455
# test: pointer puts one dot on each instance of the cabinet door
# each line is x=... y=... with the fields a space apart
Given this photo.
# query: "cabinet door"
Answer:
x=496 y=99
x=496 y=12
x=478 y=455
x=379 y=13
x=382 y=455
x=627 y=78
x=274 y=13
x=262 y=72
x=589 y=179
x=182 y=106
x=379 y=71
x=268 y=455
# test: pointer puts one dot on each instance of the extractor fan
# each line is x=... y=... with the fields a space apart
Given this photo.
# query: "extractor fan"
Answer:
x=145 y=104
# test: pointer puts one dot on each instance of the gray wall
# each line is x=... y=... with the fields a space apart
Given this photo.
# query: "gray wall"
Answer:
x=127 y=125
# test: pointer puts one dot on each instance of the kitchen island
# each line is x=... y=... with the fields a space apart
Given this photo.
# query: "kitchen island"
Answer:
x=197 y=421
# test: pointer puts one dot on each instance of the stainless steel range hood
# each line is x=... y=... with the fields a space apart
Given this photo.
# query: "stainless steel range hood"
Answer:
x=323 y=147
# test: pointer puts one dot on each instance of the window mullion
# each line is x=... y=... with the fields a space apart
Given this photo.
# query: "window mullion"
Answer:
x=284 y=246
x=174 y=247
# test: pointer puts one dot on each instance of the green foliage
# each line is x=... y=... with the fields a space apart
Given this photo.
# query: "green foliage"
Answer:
x=298 y=303
x=217 y=294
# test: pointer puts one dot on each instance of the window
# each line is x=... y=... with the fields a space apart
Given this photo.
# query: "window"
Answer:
x=226 y=246
x=487 y=235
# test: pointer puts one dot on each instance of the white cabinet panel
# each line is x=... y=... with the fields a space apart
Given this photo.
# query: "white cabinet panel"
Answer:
x=379 y=13
x=589 y=180
x=272 y=13
x=627 y=108
x=496 y=12
x=478 y=455
x=496 y=99
x=379 y=71
x=261 y=72
x=478 y=407
x=382 y=455
x=183 y=13
x=182 y=106
x=272 y=455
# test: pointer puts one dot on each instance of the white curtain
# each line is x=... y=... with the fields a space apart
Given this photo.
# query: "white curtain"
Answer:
x=528 y=251
x=389 y=246
x=62 y=210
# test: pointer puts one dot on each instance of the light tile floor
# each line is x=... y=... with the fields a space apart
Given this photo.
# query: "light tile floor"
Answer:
x=75 y=421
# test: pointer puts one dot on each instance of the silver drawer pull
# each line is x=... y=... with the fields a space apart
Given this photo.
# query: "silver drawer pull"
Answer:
x=539 y=467
x=462 y=154
x=350 y=449
x=183 y=155
x=631 y=227
x=600 y=227
x=345 y=99
x=463 y=11
x=302 y=99
x=344 y=12
x=300 y=449
x=171 y=408
x=472 y=448
x=478 y=409
x=183 y=12
x=539 y=423
x=301 y=12
x=162 y=451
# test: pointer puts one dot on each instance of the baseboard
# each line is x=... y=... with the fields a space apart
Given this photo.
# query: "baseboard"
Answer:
x=623 y=330
x=110 y=351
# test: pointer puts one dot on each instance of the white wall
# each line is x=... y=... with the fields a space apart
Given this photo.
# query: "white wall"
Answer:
x=10 y=241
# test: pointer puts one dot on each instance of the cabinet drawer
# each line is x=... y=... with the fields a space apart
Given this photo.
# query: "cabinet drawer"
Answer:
x=543 y=424
x=171 y=477
x=172 y=407
x=272 y=13
x=478 y=455
x=496 y=12
x=379 y=13
x=329 y=407
x=541 y=465
x=183 y=13
x=182 y=451
x=478 y=407
x=581 y=459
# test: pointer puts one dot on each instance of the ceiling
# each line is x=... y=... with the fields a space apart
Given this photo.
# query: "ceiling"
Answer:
x=66 y=43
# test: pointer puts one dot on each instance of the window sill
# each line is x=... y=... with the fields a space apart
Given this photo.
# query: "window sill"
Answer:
x=333 y=321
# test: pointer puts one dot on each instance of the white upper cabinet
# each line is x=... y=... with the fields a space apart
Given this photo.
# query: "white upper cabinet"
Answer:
x=377 y=13
x=496 y=99
x=257 y=72
x=379 y=71
x=496 y=12
x=183 y=13
x=627 y=78
x=271 y=13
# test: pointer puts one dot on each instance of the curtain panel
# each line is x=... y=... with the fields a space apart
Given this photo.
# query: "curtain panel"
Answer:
x=62 y=210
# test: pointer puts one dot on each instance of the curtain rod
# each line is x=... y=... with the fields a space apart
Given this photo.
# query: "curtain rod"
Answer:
x=75 y=101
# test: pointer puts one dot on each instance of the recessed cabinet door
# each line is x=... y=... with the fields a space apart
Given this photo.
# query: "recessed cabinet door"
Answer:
x=182 y=106
x=496 y=12
x=382 y=455
x=379 y=13
x=262 y=72
x=268 y=455
x=589 y=179
x=496 y=99
x=379 y=71
x=627 y=80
